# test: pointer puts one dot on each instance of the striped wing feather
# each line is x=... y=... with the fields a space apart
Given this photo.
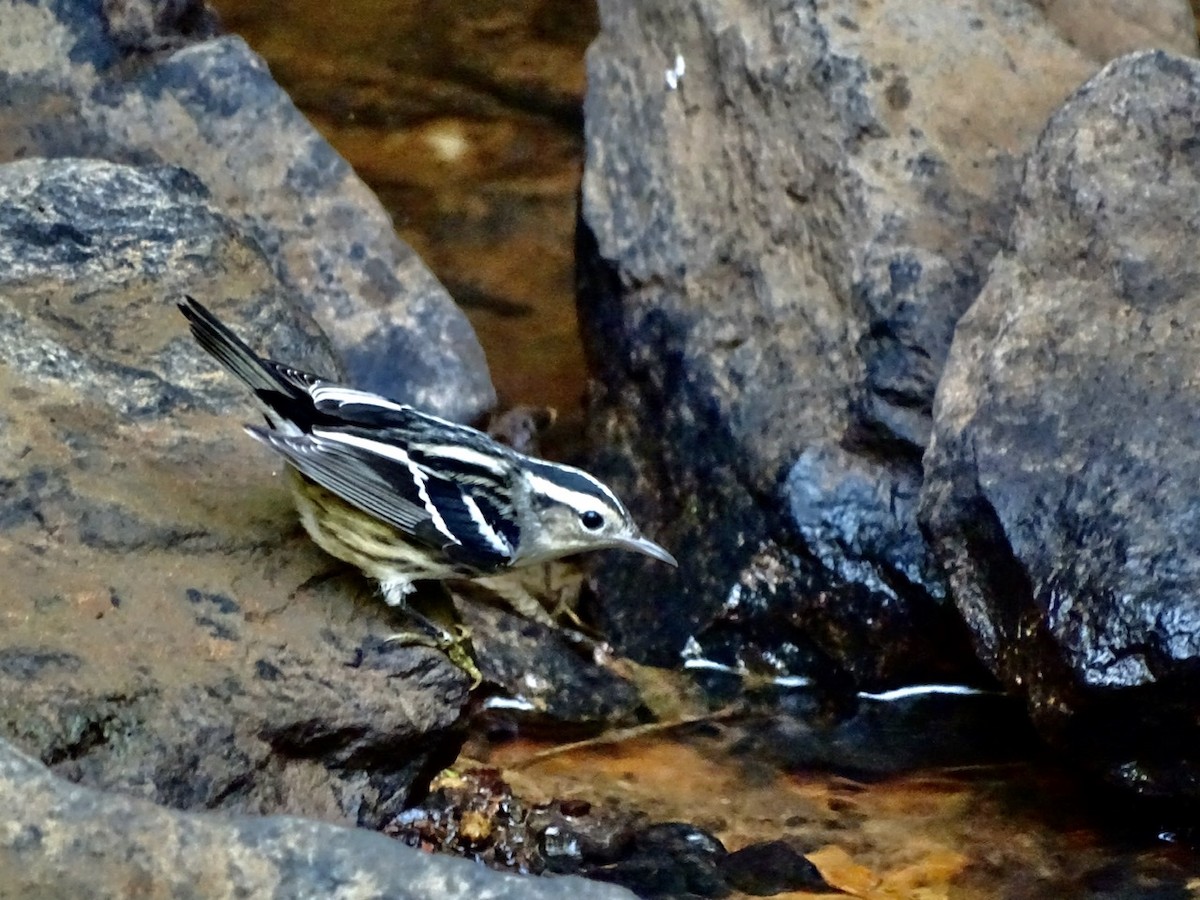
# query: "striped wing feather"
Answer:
x=462 y=519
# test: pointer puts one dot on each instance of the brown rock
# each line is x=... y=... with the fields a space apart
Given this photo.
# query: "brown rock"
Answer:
x=1061 y=483
x=78 y=82
x=159 y=635
x=785 y=211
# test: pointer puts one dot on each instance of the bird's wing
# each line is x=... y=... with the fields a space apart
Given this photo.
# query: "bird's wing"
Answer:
x=361 y=409
x=298 y=378
x=380 y=477
x=460 y=453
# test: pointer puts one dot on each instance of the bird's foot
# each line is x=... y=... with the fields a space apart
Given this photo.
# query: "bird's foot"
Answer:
x=438 y=626
x=454 y=643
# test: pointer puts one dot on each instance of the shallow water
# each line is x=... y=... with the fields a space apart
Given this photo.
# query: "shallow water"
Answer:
x=1018 y=830
x=464 y=118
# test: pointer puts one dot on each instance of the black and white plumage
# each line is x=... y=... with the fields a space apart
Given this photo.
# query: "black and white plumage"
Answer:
x=407 y=496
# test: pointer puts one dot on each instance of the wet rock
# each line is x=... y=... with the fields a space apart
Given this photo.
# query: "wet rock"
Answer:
x=785 y=212
x=889 y=735
x=669 y=859
x=1061 y=482
x=64 y=841
x=477 y=815
x=168 y=631
x=131 y=82
x=772 y=867
x=551 y=678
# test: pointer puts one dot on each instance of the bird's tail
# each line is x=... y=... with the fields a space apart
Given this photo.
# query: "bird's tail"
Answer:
x=230 y=351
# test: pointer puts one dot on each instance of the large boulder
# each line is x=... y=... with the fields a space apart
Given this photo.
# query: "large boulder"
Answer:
x=163 y=632
x=60 y=840
x=1062 y=492
x=147 y=82
x=786 y=208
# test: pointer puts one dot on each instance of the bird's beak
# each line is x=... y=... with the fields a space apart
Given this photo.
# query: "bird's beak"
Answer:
x=649 y=548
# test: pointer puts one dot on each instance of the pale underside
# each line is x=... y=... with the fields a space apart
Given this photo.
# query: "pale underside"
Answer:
x=379 y=550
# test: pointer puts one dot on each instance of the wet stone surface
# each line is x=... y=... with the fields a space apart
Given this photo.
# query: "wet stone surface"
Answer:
x=158 y=634
x=61 y=840
x=477 y=815
x=555 y=679
x=1061 y=484
x=141 y=83
x=772 y=867
x=785 y=210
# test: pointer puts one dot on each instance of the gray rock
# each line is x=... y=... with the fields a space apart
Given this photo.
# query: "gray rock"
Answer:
x=59 y=840
x=1061 y=483
x=553 y=680
x=160 y=632
x=128 y=83
x=785 y=211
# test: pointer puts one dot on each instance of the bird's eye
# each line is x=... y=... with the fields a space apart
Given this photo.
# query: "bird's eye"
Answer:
x=591 y=520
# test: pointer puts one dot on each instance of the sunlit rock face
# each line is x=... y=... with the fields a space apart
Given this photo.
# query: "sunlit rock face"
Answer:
x=1063 y=482
x=150 y=83
x=786 y=209
x=160 y=634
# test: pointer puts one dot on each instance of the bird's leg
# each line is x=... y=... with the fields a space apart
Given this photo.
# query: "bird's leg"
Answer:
x=429 y=635
x=564 y=610
x=442 y=632
x=395 y=593
x=518 y=597
x=521 y=600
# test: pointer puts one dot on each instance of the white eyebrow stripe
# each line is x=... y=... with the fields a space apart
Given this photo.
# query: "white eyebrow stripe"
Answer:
x=396 y=454
x=603 y=489
x=560 y=494
x=535 y=467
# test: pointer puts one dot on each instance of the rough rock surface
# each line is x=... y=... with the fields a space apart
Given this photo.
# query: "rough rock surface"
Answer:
x=552 y=680
x=59 y=840
x=785 y=211
x=1061 y=491
x=127 y=82
x=158 y=632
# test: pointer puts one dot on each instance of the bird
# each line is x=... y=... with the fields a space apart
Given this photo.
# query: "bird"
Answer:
x=407 y=496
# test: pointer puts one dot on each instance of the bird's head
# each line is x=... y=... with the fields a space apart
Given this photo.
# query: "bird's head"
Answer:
x=575 y=512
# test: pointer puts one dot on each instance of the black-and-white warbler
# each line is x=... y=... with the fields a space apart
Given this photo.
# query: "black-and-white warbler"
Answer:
x=407 y=496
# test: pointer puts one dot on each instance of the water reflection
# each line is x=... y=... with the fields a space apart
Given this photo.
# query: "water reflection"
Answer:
x=464 y=118
x=1024 y=829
